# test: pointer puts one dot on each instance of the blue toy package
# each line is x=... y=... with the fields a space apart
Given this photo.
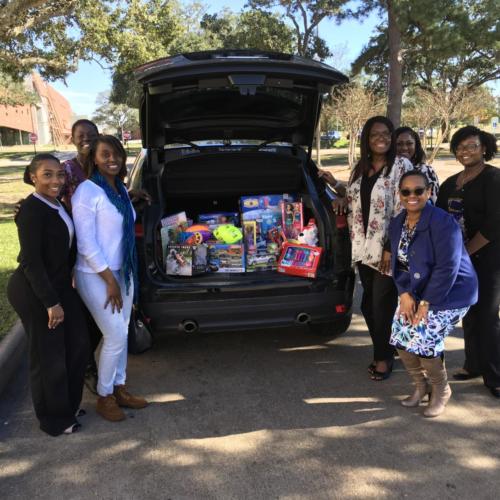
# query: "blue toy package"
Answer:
x=226 y=258
x=252 y=206
x=213 y=220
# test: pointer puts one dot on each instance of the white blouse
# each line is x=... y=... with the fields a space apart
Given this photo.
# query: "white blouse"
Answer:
x=99 y=229
x=62 y=213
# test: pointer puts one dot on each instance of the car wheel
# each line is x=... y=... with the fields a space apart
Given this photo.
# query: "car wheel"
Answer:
x=331 y=328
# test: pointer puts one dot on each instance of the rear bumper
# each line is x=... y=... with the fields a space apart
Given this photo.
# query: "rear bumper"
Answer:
x=247 y=313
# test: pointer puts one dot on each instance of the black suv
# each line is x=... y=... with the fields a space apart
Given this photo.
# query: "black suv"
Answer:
x=217 y=126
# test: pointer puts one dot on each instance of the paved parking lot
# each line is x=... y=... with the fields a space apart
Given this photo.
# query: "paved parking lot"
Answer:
x=259 y=415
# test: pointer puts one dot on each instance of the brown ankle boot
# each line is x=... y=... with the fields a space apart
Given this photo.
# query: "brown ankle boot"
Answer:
x=441 y=391
x=124 y=398
x=108 y=408
x=417 y=373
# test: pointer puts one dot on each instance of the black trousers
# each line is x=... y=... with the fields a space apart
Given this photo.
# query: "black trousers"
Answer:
x=57 y=357
x=378 y=305
x=482 y=323
x=95 y=336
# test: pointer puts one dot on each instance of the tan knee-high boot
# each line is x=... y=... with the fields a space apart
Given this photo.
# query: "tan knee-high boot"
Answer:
x=441 y=391
x=417 y=373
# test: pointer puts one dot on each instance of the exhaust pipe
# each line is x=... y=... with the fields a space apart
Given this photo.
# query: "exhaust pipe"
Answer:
x=188 y=326
x=302 y=318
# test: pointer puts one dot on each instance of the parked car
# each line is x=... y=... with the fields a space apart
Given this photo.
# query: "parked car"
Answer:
x=217 y=126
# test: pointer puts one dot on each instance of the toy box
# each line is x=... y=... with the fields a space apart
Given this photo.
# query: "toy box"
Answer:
x=250 y=235
x=186 y=260
x=299 y=260
x=262 y=261
x=213 y=220
x=292 y=219
x=174 y=220
x=224 y=258
x=179 y=260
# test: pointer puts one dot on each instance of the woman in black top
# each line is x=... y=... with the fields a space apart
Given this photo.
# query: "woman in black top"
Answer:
x=473 y=198
x=40 y=290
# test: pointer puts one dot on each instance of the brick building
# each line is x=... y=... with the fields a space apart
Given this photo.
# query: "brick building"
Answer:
x=50 y=118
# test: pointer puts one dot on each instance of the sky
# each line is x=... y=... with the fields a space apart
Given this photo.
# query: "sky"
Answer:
x=83 y=86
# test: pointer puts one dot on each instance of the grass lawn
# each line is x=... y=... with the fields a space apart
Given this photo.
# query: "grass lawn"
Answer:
x=8 y=255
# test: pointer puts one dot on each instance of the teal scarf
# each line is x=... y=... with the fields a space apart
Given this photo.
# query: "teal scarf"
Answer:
x=121 y=201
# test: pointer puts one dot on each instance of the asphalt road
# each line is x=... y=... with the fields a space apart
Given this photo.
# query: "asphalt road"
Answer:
x=260 y=415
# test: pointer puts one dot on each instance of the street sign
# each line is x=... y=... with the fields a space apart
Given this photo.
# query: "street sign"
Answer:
x=33 y=137
x=127 y=136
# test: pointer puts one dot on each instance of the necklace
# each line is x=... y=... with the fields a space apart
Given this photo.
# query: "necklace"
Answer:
x=463 y=178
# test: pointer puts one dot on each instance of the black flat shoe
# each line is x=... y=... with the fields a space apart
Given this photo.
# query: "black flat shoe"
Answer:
x=495 y=391
x=371 y=367
x=463 y=375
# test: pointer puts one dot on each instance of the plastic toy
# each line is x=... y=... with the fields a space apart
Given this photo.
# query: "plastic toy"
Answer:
x=228 y=234
x=212 y=220
x=226 y=258
x=299 y=260
x=309 y=235
x=202 y=229
x=292 y=218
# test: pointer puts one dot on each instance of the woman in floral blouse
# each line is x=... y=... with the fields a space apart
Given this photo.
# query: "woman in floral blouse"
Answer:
x=372 y=199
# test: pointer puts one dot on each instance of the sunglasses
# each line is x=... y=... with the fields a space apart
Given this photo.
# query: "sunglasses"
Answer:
x=408 y=192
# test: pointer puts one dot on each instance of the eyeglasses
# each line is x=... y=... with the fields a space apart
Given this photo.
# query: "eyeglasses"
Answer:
x=408 y=192
x=470 y=148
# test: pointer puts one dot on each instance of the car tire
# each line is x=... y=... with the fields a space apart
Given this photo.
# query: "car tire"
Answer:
x=331 y=328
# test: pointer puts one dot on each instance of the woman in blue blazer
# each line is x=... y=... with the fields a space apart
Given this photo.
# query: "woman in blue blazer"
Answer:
x=436 y=285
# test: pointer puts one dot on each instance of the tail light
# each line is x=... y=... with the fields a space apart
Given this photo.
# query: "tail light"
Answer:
x=340 y=308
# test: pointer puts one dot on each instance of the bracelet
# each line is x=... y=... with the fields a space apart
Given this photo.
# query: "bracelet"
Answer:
x=423 y=303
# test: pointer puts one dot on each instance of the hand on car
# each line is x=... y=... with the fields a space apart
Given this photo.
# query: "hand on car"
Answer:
x=137 y=195
x=407 y=308
x=56 y=316
x=327 y=177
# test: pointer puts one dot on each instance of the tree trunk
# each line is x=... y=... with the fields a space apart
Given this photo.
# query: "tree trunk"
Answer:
x=352 y=148
x=395 y=77
x=445 y=129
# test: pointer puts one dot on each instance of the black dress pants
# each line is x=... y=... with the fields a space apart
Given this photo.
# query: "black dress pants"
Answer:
x=378 y=305
x=482 y=323
x=57 y=357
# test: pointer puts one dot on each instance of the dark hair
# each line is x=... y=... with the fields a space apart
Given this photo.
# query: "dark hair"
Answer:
x=364 y=164
x=112 y=141
x=83 y=121
x=487 y=140
x=419 y=155
x=34 y=164
x=414 y=173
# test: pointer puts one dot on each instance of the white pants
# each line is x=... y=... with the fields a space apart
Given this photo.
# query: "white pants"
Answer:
x=113 y=326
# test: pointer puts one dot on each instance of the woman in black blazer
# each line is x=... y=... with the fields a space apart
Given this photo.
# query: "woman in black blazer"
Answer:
x=40 y=290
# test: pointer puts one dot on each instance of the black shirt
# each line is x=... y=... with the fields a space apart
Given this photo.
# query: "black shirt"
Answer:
x=366 y=188
x=479 y=200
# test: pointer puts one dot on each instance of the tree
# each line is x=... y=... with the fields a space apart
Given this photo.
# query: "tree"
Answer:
x=117 y=116
x=49 y=36
x=352 y=105
x=14 y=92
x=445 y=44
x=305 y=16
x=193 y=30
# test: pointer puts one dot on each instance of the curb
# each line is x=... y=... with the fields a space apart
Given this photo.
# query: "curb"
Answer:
x=12 y=349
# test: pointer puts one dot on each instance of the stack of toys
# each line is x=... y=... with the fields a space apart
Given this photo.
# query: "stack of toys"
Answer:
x=272 y=236
x=263 y=229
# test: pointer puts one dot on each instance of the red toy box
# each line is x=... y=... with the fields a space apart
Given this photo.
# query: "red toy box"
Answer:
x=299 y=260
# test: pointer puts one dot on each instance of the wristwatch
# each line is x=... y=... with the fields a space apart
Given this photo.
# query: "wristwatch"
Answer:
x=423 y=303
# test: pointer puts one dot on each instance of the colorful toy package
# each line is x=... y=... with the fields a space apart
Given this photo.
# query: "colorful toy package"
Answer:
x=214 y=219
x=224 y=258
x=174 y=220
x=292 y=219
x=179 y=260
x=265 y=211
x=299 y=260
x=186 y=260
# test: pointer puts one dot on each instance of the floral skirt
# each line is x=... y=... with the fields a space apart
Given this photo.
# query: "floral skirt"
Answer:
x=425 y=339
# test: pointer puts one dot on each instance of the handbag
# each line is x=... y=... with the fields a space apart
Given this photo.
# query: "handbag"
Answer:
x=139 y=336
